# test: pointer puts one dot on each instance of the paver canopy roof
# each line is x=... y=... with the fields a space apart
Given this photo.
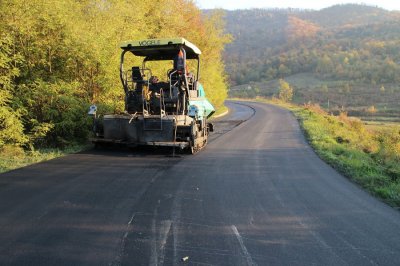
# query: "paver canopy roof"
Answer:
x=161 y=49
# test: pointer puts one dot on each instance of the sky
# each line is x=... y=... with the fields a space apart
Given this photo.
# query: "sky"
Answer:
x=306 y=4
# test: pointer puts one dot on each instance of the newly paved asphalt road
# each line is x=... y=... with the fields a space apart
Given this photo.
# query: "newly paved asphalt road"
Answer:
x=257 y=195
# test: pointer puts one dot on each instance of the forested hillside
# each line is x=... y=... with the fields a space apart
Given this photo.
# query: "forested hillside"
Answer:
x=328 y=55
x=59 y=57
x=277 y=43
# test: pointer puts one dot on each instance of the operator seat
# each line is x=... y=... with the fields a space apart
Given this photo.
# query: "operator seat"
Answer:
x=133 y=101
x=137 y=78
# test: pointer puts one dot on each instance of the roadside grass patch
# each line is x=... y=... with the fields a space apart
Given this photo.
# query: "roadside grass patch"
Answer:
x=12 y=157
x=220 y=111
x=371 y=158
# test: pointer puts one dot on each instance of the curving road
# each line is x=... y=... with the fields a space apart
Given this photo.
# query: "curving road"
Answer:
x=257 y=195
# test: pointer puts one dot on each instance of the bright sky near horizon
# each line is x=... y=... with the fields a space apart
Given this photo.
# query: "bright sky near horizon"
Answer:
x=308 y=4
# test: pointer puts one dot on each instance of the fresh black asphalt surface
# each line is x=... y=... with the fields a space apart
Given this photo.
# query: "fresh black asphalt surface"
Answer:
x=256 y=195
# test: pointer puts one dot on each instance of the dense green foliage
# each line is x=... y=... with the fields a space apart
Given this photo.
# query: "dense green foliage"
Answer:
x=58 y=57
x=343 y=54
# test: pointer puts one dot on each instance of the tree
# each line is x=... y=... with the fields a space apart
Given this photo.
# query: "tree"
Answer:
x=284 y=70
x=324 y=88
x=285 y=91
x=11 y=127
x=270 y=73
x=371 y=110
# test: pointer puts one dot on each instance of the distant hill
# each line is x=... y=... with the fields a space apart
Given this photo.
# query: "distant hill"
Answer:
x=271 y=43
x=348 y=15
x=343 y=46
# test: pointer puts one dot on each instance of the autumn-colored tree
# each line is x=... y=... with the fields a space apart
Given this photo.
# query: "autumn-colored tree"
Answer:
x=371 y=110
x=285 y=91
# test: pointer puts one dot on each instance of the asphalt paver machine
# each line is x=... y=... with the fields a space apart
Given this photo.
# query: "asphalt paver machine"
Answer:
x=171 y=112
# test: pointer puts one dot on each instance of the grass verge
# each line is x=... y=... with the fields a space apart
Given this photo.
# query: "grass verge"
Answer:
x=14 y=157
x=371 y=158
x=220 y=111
